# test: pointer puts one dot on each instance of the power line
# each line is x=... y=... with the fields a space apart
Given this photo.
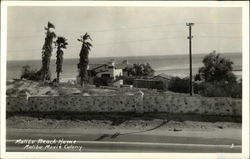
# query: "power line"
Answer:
x=144 y=40
x=200 y=36
x=78 y=34
x=132 y=28
x=115 y=29
x=103 y=44
x=26 y=36
x=139 y=27
x=136 y=41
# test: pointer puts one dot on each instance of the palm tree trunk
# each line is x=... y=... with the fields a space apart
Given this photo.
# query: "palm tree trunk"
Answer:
x=46 y=56
x=58 y=77
x=81 y=82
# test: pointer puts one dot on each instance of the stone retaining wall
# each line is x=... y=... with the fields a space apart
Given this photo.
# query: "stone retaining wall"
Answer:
x=16 y=104
x=127 y=103
x=75 y=103
x=194 y=105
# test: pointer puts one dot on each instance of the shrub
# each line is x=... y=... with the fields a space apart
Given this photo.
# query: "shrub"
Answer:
x=102 y=81
x=219 y=89
x=29 y=73
x=207 y=89
x=216 y=68
x=179 y=85
x=235 y=90
x=128 y=80
x=217 y=78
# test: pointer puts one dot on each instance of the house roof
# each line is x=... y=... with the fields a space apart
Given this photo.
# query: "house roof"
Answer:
x=163 y=75
x=117 y=66
x=95 y=66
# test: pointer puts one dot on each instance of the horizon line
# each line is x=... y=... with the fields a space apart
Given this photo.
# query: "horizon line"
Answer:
x=130 y=56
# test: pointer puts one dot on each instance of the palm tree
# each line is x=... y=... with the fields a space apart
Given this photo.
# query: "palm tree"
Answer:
x=47 y=49
x=61 y=44
x=84 y=59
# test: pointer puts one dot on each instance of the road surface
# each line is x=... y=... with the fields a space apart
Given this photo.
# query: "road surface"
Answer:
x=91 y=140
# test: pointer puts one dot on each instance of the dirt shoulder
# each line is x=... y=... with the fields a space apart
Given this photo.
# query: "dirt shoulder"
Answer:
x=29 y=122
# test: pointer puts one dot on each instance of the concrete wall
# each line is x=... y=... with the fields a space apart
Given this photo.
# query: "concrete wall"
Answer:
x=127 y=103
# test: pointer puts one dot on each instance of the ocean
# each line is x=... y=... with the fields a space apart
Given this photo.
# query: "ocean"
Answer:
x=175 y=65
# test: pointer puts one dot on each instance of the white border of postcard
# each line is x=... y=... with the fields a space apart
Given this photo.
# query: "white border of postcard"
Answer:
x=245 y=119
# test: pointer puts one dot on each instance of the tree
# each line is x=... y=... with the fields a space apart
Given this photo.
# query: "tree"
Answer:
x=140 y=70
x=29 y=73
x=47 y=49
x=148 y=70
x=61 y=44
x=84 y=59
x=216 y=69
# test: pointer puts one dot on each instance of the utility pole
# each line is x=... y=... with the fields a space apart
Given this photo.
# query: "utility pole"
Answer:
x=190 y=57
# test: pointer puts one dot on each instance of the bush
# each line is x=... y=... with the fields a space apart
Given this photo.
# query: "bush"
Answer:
x=235 y=90
x=216 y=69
x=219 y=89
x=179 y=85
x=102 y=81
x=207 y=89
x=128 y=80
x=29 y=73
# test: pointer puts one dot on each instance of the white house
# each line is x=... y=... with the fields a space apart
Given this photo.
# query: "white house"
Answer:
x=105 y=70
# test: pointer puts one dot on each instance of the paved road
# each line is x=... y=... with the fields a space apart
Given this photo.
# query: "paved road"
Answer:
x=108 y=141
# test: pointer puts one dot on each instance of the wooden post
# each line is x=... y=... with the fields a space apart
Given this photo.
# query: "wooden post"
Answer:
x=190 y=57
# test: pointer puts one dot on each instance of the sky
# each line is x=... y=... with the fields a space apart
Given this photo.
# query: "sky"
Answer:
x=124 y=31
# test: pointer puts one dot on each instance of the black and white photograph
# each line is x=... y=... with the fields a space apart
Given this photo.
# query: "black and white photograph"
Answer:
x=131 y=78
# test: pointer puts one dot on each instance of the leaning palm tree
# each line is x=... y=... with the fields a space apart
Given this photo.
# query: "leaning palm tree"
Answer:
x=61 y=44
x=47 y=49
x=84 y=59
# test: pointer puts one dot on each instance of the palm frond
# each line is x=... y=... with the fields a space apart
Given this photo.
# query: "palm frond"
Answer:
x=86 y=36
x=61 y=42
x=89 y=44
x=50 y=25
